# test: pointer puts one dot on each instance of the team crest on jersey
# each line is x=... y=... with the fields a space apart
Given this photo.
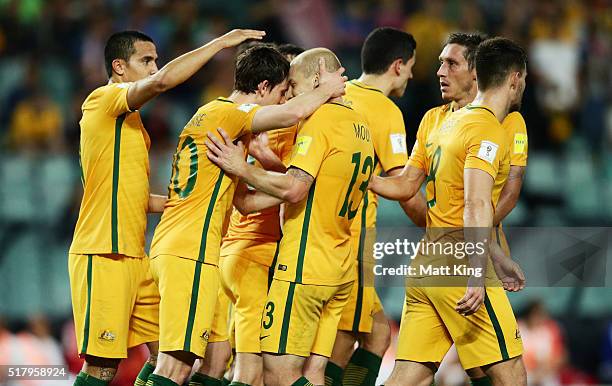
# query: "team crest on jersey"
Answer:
x=447 y=125
x=107 y=335
x=196 y=120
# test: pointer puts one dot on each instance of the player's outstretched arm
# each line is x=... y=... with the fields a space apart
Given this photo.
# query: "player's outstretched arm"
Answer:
x=331 y=85
x=399 y=187
x=156 y=203
x=182 y=68
x=510 y=194
x=292 y=186
x=477 y=221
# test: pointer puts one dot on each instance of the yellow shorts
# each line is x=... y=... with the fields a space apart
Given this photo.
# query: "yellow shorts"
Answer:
x=189 y=291
x=220 y=331
x=115 y=303
x=246 y=283
x=358 y=314
x=300 y=319
x=430 y=325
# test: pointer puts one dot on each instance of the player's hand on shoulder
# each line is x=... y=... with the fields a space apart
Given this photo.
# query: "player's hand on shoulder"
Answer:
x=334 y=82
x=237 y=36
x=224 y=153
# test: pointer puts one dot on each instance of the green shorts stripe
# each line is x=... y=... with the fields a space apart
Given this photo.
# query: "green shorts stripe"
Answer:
x=282 y=344
x=193 y=305
x=497 y=327
x=88 y=308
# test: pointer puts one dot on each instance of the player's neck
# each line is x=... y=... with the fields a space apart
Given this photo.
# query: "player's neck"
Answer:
x=240 y=97
x=467 y=98
x=495 y=100
x=381 y=82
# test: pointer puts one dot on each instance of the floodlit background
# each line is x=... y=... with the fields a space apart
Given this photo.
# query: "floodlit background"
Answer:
x=51 y=57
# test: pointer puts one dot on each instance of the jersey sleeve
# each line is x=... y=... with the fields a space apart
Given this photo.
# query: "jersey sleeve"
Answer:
x=484 y=147
x=114 y=99
x=390 y=142
x=515 y=125
x=311 y=146
x=418 y=157
x=240 y=119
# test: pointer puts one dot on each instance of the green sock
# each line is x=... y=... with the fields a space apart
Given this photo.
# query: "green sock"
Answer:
x=199 y=379
x=84 y=379
x=143 y=375
x=302 y=381
x=362 y=369
x=225 y=382
x=333 y=374
x=158 y=380
x=484 y=381
x=239 y=384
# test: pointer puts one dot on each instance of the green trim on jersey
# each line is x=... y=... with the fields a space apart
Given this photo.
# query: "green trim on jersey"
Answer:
x=304 y=238
x=209 y=211
x=115 y=191
x=359 y=303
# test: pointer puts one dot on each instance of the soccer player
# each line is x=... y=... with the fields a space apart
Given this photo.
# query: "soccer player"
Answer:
x=458 y=86
x=114 y=299
x=466 y=163
x=387 y=57
x=247 y=254
x=185 y=247
x=332 y=162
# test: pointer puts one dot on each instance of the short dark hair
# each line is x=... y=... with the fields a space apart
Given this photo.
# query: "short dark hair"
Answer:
x=120 y=45
x=383 y=46
x=259 y=63
x=289 y=49
x=495 y=59
x=470 y=41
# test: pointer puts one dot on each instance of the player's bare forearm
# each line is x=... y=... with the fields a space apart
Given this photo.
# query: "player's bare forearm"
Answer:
x=291 y=186
x=183 y=67
x=400 y=187
x=250 y=201
x=331 y=85
x=416 y=209
x=510 y=194
x=156 y=203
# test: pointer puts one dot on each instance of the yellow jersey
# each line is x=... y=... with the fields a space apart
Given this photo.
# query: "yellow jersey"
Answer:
x=447 y=143
x=386 y=124
x=200 y=194
x=334 y=146
x=114 y=158
x=254 y=236
x=515 y=127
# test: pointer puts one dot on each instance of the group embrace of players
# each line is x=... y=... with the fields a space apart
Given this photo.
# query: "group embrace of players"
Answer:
x=265 y=252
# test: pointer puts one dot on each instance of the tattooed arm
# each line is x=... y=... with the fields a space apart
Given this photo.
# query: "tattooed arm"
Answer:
x=271 y=189
x=509 y=194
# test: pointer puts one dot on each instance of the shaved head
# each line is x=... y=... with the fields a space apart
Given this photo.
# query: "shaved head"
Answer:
x=307 y=63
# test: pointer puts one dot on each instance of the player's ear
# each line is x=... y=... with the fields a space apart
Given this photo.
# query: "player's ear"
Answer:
x=514 y=80
x=315 y=80
x=262 y=87
x=119 y=66
x=397 y=66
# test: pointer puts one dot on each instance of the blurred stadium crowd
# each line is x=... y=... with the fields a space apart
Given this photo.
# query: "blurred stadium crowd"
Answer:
x=51 y=57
